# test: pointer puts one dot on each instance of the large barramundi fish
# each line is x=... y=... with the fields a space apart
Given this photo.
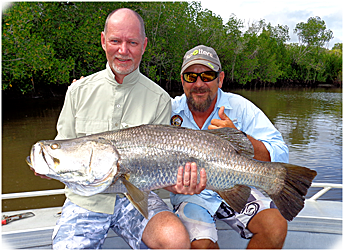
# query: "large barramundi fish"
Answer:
x=137 y=160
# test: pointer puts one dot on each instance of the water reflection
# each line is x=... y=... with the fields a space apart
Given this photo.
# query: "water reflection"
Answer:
x=311 y=124
x=24 y=122
x=310 y=121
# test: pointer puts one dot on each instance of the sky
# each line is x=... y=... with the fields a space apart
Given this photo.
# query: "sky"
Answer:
x=283 y=12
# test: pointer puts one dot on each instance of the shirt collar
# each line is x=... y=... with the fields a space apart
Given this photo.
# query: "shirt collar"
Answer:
x=222 y=100
x=179 y=104
x=130 y=79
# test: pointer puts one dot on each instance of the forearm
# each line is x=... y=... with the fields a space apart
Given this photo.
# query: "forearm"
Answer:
x=260 y=151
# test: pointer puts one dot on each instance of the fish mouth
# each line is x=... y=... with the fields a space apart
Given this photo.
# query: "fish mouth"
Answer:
x=28 y=161
x=39 y=160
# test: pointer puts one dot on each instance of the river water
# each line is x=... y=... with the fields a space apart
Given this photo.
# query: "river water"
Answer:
x=310 y=121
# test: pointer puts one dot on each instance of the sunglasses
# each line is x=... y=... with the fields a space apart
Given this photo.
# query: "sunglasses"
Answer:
x=206 y=76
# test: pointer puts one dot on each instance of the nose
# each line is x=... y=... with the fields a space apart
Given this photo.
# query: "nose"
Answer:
x=123 y=48
x=199 y=82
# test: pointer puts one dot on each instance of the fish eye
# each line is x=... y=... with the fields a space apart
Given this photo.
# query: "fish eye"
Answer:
x=56 y=162
x=54 y=146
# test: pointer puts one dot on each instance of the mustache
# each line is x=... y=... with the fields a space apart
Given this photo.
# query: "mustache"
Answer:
x=123 y=58
x=200 y=89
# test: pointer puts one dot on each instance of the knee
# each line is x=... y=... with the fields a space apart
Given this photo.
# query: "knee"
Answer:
x=281 y=225
x=269 y=220
x=176 y=236
x=278 y=231
x=270 y=226
x=278 y=223
x=166 y=231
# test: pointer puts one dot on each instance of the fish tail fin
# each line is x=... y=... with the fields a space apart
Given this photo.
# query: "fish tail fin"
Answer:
x=290 y=198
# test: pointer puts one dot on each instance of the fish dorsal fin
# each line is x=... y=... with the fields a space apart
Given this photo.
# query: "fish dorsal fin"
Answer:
x=236 y=197
x=138 y=198
x=238 y=140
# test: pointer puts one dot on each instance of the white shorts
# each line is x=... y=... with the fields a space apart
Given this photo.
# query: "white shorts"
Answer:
x=201 y=224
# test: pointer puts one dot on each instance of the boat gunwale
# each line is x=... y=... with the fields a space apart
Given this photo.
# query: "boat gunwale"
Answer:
x=326 y=187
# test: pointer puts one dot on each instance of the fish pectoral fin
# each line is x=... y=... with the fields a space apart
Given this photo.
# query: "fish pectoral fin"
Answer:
x=236 y=197
x=138 y=198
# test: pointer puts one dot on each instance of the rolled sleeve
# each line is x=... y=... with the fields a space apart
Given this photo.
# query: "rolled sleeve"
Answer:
x=263 y=130
x=278 y=150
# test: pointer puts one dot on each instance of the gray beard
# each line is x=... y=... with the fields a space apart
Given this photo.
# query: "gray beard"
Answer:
x=198 y=107
x=118 y=70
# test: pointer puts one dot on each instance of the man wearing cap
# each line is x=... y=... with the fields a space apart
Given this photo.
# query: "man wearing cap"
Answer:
x=205 y=106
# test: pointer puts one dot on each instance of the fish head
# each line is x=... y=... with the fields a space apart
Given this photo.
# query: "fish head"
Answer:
x=87 y=166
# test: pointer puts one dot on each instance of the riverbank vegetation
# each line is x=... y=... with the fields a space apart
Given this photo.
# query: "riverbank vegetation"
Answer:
x=45 y=45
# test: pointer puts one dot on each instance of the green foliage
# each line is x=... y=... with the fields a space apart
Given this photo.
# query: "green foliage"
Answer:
x=26 y=55
x=313 y=33
x=55 y=42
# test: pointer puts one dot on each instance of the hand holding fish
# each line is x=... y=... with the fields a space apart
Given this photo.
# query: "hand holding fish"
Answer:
x=189 y=185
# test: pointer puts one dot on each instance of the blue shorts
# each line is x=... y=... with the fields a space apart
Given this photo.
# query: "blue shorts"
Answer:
x=79 y=228
x=201 y=224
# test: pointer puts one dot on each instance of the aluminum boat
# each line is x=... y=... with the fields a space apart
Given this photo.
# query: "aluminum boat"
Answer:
x=318 y=225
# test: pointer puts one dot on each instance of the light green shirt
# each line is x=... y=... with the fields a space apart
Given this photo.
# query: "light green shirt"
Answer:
x=98 y=103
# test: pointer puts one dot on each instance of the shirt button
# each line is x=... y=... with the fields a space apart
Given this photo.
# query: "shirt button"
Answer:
x=118 y=106
x=116 y=124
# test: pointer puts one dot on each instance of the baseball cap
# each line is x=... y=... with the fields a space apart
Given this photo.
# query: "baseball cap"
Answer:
x=203 y=55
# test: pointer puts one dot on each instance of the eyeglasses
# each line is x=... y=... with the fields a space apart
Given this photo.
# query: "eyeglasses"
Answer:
x=206 y=76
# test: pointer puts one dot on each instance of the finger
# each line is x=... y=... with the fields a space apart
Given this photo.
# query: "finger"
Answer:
x=224 y=121
x=180 y=177
x=211 y=126
x=178 y=187
x=187 y=175
x=193 y=177
x=203 y=181
x=218 y=123
x=222 y=114
x=74 y=80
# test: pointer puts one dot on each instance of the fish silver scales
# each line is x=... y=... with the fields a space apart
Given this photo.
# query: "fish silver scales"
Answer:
x=147 y=157
x=145 y=152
